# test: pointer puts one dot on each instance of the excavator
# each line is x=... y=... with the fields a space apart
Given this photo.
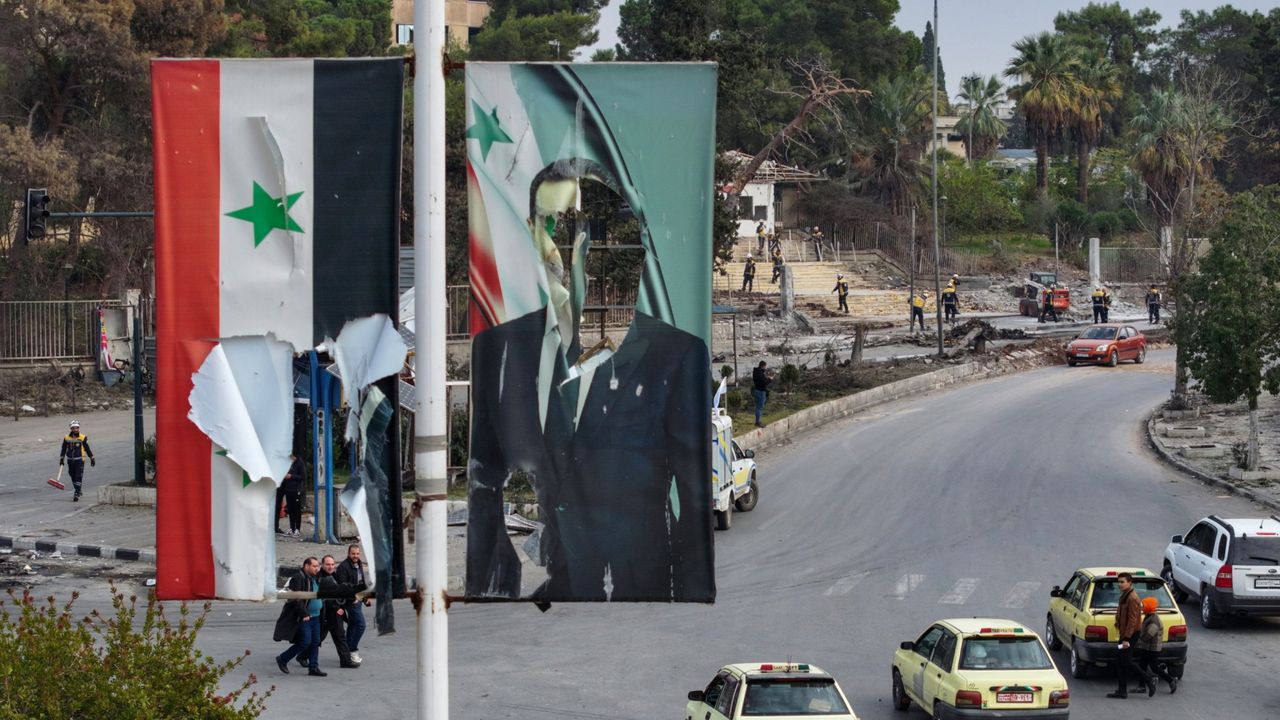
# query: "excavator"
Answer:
x=1029 y=300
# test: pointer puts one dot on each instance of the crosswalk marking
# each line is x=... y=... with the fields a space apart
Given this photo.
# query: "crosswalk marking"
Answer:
x=844 y=585
x=1020 y=594
x=959 y=592
x=906 y=584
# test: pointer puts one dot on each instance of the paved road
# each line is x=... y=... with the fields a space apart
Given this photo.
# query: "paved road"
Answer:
x=973 y=501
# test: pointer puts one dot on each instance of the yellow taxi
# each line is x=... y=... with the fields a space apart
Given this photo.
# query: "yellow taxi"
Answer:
x=979 y=668
x=1082 y=617
x=773 y=690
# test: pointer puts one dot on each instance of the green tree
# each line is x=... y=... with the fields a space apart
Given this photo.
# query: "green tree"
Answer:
x=1230 y=326
x=1097 y=88
x=892 y=131
x=515 y=37
x=978 y=120
x=926 y=61
x=125 y=664
x=977 y=201
x=1158 y=153
x=1128 y=39
x=1047 y=96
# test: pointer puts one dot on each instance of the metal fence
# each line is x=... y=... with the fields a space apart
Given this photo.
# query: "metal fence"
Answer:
x=1131 y=265
x=40 y=330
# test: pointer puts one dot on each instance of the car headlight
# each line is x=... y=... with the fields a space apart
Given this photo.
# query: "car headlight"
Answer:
x=1103 y=348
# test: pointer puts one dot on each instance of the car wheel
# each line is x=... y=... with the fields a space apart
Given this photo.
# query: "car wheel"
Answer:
x=1114 y=359
x=747 y=502
x=724 y=519
x=901 y=702
x=1071 y=363
x=1051 y=635
x=1179 y=595
x=1141 y=357
x=1209 y=616
x=1176 y=670
x=1079 y=668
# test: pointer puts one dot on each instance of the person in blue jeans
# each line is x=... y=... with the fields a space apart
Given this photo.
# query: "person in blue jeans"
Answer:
x=760 y=379
x=308 y=634
x=352 y=571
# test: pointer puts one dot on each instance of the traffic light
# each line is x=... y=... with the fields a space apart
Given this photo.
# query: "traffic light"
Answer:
x=37 y=212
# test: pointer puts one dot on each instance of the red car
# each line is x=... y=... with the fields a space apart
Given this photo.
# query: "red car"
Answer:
x=1109 y=343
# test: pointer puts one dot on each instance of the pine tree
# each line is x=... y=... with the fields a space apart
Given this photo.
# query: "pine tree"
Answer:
x=926 y=58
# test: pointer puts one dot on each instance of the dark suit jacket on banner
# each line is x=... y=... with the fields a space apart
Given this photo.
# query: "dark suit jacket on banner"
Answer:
x=625 y=498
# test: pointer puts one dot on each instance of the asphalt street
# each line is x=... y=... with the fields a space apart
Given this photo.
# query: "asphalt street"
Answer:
x=970 y=502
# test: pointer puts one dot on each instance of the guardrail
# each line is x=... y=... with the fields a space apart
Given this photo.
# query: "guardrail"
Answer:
x=41 y=330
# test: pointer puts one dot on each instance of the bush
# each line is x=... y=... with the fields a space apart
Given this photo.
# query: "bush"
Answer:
x=55 y=665
x=149 y=460
x=1107 y=224
x=977 y=200
x=735 y=400
x=726 y=371
x=790 y=374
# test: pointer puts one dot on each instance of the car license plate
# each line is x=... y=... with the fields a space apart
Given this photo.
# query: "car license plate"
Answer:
x=1082 y=353
x=1267 y=583
x=1014 y=697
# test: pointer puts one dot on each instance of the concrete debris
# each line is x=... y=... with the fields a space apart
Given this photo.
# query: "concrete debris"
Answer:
x=28 y=409
x=56 y=554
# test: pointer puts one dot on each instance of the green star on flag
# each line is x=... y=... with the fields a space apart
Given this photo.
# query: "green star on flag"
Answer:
x=245 y=475
x=267 y=214
x=487 y=130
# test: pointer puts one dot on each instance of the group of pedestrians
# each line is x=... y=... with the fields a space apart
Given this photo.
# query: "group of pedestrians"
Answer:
x=1141 y=632
x=339 y=615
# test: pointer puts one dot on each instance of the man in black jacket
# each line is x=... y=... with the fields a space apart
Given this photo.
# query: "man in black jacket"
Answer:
x=75 y=448
x=354 y=571
x=299 y=622
x=295 y=482
x=334 y=613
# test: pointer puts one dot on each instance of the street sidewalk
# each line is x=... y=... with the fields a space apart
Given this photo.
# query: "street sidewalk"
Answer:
x=1201 y=442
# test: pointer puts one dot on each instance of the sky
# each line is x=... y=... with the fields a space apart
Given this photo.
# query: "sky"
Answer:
x=978 y=35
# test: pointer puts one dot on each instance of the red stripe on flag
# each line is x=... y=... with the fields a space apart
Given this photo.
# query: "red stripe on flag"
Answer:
x=185 y=104
x=486 y=307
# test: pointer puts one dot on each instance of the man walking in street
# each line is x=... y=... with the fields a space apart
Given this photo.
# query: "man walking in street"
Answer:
x=818 y=239
x=1151 y=642
x=334 y=612
x=294 y=483
x=1046 y=304
x=1129 y=625
x=917 y=309
x=300 y=622
x=1153 y=306
x=749 y=274
x=75 y=448
x=842 y=292
x=777 y=266
x=760 y=380
x=352 y=571
x=1098 y=298
x=950 y=301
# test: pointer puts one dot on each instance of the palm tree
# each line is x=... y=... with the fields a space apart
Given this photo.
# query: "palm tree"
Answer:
x=1159 y=154
x=1098 y=84
x=979 y=121
x=1045 y=67
x=892 y=133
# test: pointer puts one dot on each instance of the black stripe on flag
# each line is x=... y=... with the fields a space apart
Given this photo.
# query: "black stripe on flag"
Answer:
x=357 y=131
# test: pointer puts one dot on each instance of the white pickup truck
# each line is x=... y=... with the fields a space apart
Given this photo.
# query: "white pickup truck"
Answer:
x=733 y=472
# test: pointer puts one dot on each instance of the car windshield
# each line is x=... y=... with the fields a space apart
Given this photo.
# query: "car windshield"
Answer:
x=1004 y=653
x=1099 y=333
x=1256 y=550
x=1106 y=593
x=792 y=697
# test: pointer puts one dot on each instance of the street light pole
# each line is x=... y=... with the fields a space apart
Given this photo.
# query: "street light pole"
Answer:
x=937 y=252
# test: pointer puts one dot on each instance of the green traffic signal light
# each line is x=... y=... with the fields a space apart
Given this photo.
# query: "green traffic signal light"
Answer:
x=37 y=212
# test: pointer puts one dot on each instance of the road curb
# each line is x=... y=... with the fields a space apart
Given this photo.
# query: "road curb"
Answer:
x=1188 y=468
x=780 y=431
x=68 y=549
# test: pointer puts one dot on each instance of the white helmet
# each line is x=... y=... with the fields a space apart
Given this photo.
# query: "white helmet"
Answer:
x=74 y=424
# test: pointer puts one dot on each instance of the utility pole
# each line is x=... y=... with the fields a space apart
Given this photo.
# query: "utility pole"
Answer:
x=911 y=265
x=937 y=253
x=430 y=433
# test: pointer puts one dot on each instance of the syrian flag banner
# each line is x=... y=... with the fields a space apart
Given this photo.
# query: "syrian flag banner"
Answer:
x=277 y=187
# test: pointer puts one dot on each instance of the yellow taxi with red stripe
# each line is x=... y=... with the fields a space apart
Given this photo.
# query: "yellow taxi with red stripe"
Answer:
x=979 y=668
x=1082 y=618
x=775 y=690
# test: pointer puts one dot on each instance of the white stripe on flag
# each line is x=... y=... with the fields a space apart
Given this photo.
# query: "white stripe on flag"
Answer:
x=266 y=117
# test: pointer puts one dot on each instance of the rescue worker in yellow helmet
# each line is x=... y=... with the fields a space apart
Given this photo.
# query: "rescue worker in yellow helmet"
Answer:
x=950 y=301
x=75 y=448
x=1099 y=299
x=1046 y=303
x=917 y=308
x=1153 y=305
x=842 y=292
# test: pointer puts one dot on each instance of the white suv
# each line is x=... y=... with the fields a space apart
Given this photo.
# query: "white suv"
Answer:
x=1232 y=565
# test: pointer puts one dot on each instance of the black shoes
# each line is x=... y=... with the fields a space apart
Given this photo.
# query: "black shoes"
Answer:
x=1118 y=695
x=75 y=498
x=350 y=665
x=302 y=662
x=1151 y=688
x=1173 y=686
x=284 y=666
x=317 y=672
